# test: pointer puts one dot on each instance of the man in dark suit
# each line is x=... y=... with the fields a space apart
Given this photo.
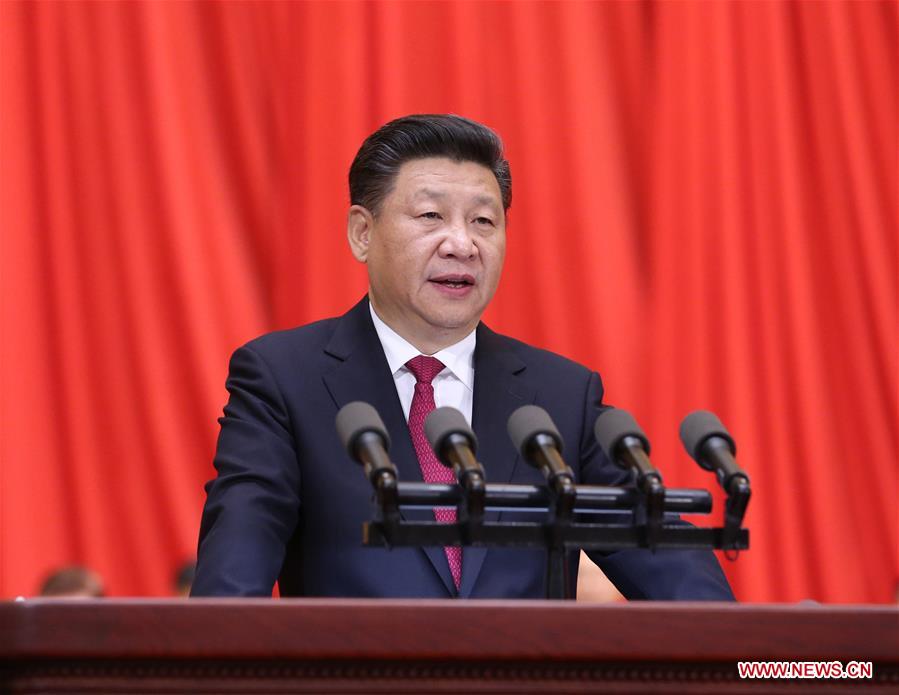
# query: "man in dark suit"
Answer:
x=429 y=199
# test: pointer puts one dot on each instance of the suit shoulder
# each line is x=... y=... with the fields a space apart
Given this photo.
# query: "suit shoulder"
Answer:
x=311 y=337
x=545 y=360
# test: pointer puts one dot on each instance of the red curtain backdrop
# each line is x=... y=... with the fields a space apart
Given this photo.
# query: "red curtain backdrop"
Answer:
x=704 y=210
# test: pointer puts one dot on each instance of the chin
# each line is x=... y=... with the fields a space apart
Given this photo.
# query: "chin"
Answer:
x=451 y=320
x=451 y=314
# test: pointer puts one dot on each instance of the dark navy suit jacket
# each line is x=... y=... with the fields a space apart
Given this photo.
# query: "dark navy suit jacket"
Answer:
x=288 y=503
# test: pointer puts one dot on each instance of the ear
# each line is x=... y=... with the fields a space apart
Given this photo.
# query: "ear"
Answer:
x=359 y=225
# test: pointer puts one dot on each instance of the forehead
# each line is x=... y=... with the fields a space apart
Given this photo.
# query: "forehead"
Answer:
x=437 y=177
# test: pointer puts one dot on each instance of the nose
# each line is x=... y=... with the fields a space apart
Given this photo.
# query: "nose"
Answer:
x=458 y=243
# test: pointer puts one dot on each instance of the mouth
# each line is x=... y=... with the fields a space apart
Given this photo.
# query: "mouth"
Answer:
x=453 y=281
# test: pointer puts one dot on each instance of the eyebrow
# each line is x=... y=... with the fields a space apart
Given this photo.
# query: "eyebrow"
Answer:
x=433 y=193
x=428 y=193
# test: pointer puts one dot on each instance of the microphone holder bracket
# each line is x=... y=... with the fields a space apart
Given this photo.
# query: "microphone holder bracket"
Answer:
x=738 y=494
x=649 y=512
x=562 y=529
x=561 y=511
x=387 y=512
x=470 y=509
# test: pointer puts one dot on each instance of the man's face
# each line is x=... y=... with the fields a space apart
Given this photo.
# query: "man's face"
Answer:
x=435 y=250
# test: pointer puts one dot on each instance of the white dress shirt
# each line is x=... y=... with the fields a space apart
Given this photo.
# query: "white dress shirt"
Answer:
x=453 y=386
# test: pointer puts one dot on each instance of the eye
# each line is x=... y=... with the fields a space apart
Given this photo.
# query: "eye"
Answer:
x=483 y=220
x=430 y=215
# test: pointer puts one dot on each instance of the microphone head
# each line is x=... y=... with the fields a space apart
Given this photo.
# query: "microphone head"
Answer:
x=357 y=418
x=442 y=423
x=697 y=427
x=612 y=426
x=529 y=421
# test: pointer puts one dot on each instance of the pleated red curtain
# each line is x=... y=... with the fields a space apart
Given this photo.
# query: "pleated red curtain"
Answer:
x=704 y=210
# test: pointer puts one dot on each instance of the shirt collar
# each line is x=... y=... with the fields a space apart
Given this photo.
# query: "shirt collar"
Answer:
x=457 y=358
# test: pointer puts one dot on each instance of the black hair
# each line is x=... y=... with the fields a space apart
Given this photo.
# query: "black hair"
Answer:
x=418 y=136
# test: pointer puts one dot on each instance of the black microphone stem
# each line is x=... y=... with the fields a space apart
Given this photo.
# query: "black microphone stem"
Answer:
x=557 y=473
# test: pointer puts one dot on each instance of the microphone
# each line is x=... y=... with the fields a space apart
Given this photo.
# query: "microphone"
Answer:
x=365 y=438
x=455 y=444
x=535 y=435
x=711 y=446
x=627 y=446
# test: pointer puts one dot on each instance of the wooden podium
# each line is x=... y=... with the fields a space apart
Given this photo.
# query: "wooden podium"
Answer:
x=386 y=646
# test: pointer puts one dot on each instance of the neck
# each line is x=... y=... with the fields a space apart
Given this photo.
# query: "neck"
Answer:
x=427 y=340
x=433 y=346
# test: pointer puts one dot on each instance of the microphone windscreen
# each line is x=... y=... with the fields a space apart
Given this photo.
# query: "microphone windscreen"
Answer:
x=699 y=426
x=529 y=421
x=357 y=418
x=443 y=422
x=612 y=426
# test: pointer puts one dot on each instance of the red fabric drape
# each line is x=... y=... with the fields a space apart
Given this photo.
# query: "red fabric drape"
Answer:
x=704 y=210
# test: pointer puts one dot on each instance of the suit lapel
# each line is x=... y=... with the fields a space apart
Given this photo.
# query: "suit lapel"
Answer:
x=499 y=388
x=362 y=374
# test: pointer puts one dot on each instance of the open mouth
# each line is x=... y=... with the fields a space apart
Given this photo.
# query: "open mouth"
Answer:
x=454 y=281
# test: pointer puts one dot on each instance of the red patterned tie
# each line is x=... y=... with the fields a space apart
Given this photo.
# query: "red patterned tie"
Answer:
x=425 y=369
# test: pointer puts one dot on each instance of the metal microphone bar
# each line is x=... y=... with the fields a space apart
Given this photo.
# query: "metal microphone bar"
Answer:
x=590 y=536
x=590 y=498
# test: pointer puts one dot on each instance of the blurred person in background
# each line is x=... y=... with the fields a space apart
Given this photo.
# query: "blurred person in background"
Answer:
x=73 y=582
x=183 y=579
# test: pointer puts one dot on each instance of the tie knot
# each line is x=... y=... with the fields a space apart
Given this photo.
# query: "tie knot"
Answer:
x=425 y=368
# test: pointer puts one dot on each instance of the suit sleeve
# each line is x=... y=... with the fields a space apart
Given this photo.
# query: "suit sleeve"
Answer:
x=252 y=504
x=686 y=575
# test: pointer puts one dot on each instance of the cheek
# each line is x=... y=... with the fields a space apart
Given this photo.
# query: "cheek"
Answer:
x=399 y=267
x=402 y=244
x=389 y=256
x=494 y=254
